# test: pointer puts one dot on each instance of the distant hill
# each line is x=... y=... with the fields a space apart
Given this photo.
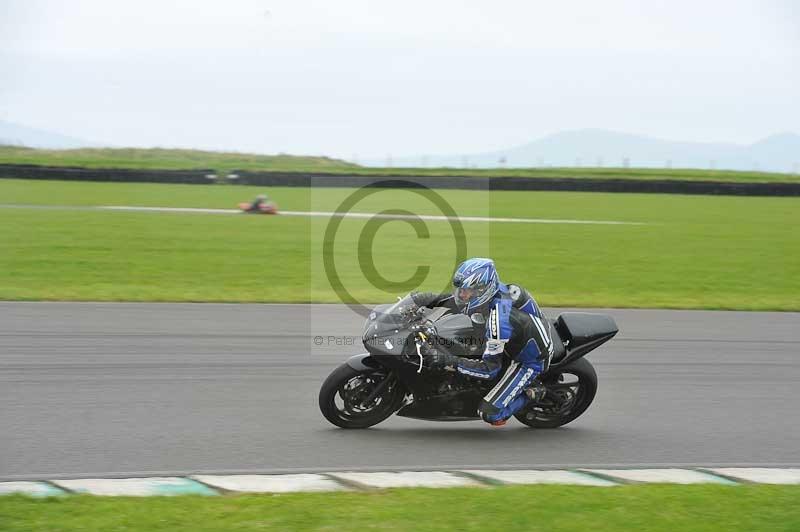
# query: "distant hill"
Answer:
x=19 y=135
x=585 y=148
x=597 y=148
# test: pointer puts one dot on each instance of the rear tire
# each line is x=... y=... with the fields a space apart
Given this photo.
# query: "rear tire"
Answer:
x=566 y=402
x=343 y=392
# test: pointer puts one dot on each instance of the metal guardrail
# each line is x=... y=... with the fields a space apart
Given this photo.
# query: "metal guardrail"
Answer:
x=307 y=179
x=31 y=171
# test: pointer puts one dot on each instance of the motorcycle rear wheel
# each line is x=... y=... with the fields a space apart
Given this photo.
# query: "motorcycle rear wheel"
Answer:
x=570 y=391
x=342 y=397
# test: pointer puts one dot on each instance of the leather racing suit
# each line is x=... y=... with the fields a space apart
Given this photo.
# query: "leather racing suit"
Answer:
x=516 y=331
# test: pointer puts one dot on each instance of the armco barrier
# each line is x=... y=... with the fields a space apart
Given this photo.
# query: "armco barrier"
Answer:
x=289 y=179
x=304 y=179
x=31 y=171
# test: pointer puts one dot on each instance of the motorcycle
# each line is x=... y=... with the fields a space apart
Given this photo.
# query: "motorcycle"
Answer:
x=391 y=378
x=264 y=208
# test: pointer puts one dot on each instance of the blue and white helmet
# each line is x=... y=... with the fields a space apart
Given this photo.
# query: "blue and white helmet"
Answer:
x=475 y=283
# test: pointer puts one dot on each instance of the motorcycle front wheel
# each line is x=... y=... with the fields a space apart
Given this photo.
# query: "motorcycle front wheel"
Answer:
x=353 y=399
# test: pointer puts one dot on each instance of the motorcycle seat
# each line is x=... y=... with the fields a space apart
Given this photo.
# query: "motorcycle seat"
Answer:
x=558 y=344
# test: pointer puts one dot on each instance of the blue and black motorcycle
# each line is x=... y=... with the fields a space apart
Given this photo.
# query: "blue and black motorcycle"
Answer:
x=390 y=378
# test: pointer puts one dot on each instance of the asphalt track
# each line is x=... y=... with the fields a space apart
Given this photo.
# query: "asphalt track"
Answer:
x=90 y=389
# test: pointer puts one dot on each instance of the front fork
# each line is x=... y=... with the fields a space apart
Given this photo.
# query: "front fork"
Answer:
x=390 y=378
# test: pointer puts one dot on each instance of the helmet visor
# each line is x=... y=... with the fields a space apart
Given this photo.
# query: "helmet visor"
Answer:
x=466 y=295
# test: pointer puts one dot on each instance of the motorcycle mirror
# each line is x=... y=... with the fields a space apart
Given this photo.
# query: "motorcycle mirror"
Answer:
x=478 y=319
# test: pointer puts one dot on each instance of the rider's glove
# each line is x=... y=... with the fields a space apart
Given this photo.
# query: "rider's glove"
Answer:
x=439 y=360
x=425 y=299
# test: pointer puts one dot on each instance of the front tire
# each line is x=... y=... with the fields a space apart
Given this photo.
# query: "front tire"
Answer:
x=570 y=391
x=342 y=396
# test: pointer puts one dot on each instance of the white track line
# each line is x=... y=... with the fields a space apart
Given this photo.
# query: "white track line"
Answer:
x=270 y=483
x=167 y=209
x=368 y=215
x=42 y=476
x=136 y=486
x=352 y=480
x=406 y=479
x=761 y=475
x=532 y=476
x=34 y=489
x=668 y=476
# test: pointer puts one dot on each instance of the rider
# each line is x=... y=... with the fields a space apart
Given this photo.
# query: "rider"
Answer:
x=516 y=328
x=256 y=204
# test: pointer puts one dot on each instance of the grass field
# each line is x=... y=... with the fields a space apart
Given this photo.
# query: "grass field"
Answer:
x=547 y=508
x=224 y=162
x=691 y=251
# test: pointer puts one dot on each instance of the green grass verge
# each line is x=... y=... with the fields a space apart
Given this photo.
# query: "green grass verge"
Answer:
x=547 y=508
x=223 y=162
x=699 y=252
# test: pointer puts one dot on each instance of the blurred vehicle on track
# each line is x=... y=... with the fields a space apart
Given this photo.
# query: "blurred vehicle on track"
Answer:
x=260 y=205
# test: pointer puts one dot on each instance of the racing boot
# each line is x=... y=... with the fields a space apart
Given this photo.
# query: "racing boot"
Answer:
x=484 y=413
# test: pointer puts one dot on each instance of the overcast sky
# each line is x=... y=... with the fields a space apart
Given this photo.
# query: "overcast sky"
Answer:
x=365 y=78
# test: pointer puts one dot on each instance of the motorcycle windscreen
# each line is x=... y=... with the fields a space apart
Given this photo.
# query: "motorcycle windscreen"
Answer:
x=385 y=331
x=386 y=319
